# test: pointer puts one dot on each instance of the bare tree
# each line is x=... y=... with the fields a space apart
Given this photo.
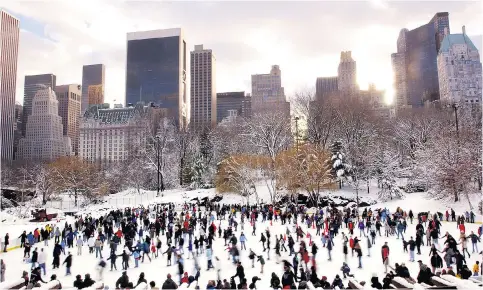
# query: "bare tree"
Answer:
x=76 y=176
x=270 y=133
x=239 y=174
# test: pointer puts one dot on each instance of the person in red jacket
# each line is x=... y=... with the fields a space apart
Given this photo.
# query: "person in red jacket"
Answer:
x=385 y=256
x=185 y=278
x=351 y=244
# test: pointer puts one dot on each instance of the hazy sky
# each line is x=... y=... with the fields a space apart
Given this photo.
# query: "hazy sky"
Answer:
x=304 y=38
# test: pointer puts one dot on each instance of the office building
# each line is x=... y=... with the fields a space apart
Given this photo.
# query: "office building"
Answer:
x=17 y=135
x=44 y=138
x=203 y=88
x=112 y=135
x=268 y=95
x=70 y=100
x=32 y=84
x=156 y=71
x=93 y=85
x=230 y=101
x=9 y=39
x=347 y=74
x=415 y=65
x=459 y=70
x=325 y=87
x=247 y=107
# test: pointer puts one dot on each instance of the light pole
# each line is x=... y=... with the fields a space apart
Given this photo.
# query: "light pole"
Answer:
x=455 y=107
x=157 y=161
x=297 y=134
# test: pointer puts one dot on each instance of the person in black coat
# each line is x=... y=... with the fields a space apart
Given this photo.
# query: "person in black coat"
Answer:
x=35 y=257
x=313 y=277
x=337 y=282
x=88 y=282
x=240 y=272
x=425 y=274
x=6 y=242
x=35 y=276
x=68 y=263
x=78 y=283
x=22 y=237
x=56 y=254
x=141 y=279
x=288 y=278
x=170 y=284
x=436 y=262
x=275 y=281
x=113 y=258
x=375 y=283
x=123 y=281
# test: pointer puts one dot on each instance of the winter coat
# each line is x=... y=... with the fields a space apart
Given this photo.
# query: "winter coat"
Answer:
x=375 y=283
x=68 y=261
x=169 y=284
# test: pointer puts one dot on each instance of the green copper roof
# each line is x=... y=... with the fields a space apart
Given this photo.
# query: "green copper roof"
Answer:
x=451 y=39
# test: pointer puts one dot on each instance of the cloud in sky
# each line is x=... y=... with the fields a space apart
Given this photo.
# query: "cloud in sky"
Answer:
x=304 y=38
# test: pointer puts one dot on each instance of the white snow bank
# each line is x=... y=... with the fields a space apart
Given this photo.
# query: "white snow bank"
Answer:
x=11 y=284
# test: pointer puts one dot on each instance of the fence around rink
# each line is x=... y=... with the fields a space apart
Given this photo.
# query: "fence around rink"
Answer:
x=132 y=200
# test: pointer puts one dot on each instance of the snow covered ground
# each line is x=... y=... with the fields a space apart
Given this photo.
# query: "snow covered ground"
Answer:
x=157 y=269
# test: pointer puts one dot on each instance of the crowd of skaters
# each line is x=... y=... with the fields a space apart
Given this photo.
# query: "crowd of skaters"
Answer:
x=139 y=232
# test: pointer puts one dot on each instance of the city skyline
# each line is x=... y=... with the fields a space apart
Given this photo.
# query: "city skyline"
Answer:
x=254 y=40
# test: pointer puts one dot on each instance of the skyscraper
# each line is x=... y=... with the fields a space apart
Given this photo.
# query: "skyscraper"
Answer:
x=33 y=84
x=347 y=74
x=9 y=38
x=459 y=70
x=414 y=64
x=156 y=71
x=230 y=101
x=69 y=97
x=203 y=88
x=268 y=93
x=325 y=86
x=92 y=82
x=44 y=139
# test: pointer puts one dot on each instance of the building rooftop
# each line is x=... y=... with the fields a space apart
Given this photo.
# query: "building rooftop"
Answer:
x=451 y=39
x=114 y=116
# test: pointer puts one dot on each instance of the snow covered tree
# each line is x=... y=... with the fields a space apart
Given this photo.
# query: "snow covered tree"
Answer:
x=444 y=164
x=340 y=169
x=198 y=171
x=386 y=168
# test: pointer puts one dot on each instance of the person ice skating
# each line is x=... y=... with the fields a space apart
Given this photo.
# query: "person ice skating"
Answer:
x=209 y=257
x=275 y=281
x=346 y=270
x=263 y=240
x=385 y=256
x=412 y=247
x=35 y=278
x=251 y=256
x=125 y=260
x=240 y=272
x=6 y=242
x=243 y=239
x=476 y=268
x=262 y=263
x=68 y=264
x=112 y=257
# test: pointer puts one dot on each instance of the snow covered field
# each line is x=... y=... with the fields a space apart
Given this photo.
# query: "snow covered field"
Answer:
x=157 y=269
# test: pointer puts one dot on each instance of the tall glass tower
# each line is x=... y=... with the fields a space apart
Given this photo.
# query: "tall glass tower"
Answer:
x=156 y=71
